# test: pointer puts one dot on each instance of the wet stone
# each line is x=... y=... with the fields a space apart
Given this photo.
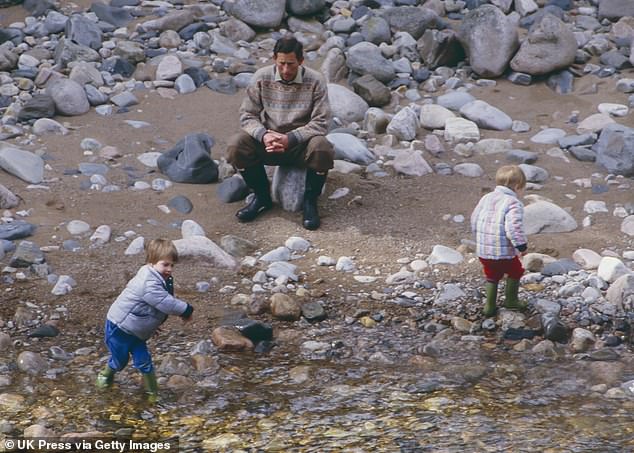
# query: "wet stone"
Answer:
x=255 y=331
x=313 y=311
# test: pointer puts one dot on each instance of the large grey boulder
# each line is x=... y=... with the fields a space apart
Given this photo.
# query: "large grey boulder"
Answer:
x=334 y=66
x=490 y=39
x=549 y=46
x=257 y=13
x=545 y=217
x=204 y=249
x=25 y=165
x=67 y=51
x=189 y=161
x=615 y=149
x=366 y=58
x=404 y=124
x=412 y=19
x=346 y=104
x=171 y=21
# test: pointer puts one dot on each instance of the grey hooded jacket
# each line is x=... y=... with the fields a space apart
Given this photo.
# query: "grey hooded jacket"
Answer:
x=144 y=304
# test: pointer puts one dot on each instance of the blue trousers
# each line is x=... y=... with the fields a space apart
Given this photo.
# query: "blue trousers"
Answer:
x=121 y=345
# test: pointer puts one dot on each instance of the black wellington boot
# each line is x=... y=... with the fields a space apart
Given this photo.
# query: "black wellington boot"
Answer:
x=314 y=185
x=256 y=179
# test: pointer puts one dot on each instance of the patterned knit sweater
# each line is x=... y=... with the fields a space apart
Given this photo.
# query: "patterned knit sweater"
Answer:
x=498 y=224
x=299 y=108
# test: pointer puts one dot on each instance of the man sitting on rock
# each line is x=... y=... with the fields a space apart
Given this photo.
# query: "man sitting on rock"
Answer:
x=284 y=118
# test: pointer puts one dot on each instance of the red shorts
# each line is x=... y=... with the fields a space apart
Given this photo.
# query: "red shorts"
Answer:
x=494 y=270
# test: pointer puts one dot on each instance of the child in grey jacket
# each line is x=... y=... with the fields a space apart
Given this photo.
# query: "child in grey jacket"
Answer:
x=138 y=312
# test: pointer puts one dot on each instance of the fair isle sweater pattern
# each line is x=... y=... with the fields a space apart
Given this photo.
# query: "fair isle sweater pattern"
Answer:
x=498 y=224
x=300 y=110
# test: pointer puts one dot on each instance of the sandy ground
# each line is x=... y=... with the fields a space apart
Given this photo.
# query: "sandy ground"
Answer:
x=395 y=217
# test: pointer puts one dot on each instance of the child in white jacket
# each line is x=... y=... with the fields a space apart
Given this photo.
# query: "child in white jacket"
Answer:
x=138 y=312
x=498 y=225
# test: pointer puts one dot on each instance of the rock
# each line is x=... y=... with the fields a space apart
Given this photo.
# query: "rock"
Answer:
x=411 y=164
x=454 y=100
x=16 y=230
x=229 y=339
x=297 y=244
x=486 y=116
x=459 y=130
x=255 y=331
x=366 y=58
x=403 y=125
x=237 y=246
x=135 y=247
x=45 y=126
x=440 y=48
x=627 y=226
x=411 y=19
x=8 y=57
x=190 y=161
x=595 y=123
x=25 y=165
x=449 y=292
x=334 y=66
x=31 y=363
x=199 y=247
x=549 y=46
x=232 y=189
x=434 y=116
x=69 y=97
x=615 y=9
x=554 y=329
x=8 y=199
x=285 y=308
x=345 y=104
x=444 y=255
x=169 y=68
x=376 y=30
x=621 y=293
x=534 y=173
x=313 y=311
x=549 y=136
x=26 y=254
x=372 y=91
x=175 y=20
x=112 y=14
x=469 y=170
x=350 y=148
x=582 y=340
x=489 y=38
x=44 y=331
x=586 y=258
x=545 y=217
x=257 y=13
x=611 y=268
x=559 y=267
x=615 y=149
x=288 y=186
x=279 y=254
x=39 y=106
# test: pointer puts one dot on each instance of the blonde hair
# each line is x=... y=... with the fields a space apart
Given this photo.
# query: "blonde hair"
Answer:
x=510 y=176
x=160 y=249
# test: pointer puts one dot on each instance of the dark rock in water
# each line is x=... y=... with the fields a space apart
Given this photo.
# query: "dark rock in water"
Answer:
x=313 y=311
x=255 y=331
x=198 y=75
x=190 y=161
x=16 y=230
x=186 y=33
x=519 y=334
x=39 y=106
x=224 y=86
x=232 y=189
x=474 y=4
x=117 y=65
x=554 y=329
x=119 y=17
x=604 y=355
x=181 y=204
x=43 y=331
x=560 y=267
x=561 y=83
x=583 y=153
x=15 y=35
x=263 y=347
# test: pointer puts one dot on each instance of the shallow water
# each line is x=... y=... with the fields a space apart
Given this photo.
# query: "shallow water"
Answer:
x=469 y=401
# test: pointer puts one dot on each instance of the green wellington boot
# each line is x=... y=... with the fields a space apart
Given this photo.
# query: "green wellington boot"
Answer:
x=151 y=386
x=490 y=308
x=512 y=302
x=105 y=377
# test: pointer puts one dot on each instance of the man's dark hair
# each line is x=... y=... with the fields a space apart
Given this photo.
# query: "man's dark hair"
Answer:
x=288 y=44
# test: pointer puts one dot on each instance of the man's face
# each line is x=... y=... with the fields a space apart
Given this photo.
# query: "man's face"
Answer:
x=287 y=65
